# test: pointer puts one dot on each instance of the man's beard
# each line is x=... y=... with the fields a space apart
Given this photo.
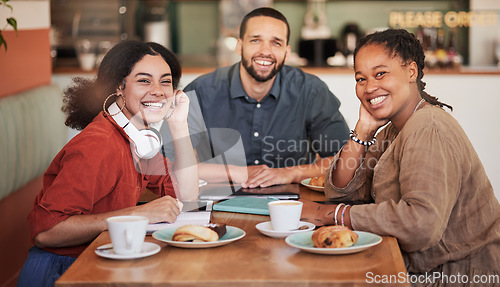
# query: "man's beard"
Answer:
x=249 y=68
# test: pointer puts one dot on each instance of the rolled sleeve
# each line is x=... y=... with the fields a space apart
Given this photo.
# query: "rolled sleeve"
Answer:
x=356 y=190
x=427 y=183
x=72 y=184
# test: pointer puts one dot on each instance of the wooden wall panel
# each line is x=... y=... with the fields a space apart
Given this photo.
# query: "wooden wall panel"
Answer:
x=16 y=242
x=27 y=62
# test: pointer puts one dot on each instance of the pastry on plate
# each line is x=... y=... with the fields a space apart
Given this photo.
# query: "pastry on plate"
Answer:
x=318 y=181
x=199 y=233
x=334 y=237
x=219 y=228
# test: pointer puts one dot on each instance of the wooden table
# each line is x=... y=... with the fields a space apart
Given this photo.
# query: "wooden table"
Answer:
x=254 y=260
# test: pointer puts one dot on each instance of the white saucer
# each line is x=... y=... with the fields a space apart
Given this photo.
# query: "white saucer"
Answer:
x=267 y=229
x=148 y=249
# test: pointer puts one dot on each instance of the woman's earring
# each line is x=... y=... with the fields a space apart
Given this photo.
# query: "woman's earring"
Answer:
x=104 y=104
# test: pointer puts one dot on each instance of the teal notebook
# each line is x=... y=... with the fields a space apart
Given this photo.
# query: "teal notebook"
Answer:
x=251 y=205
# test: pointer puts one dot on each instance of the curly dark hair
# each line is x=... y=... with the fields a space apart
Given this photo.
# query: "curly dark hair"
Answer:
x=403 y=44
x=83 y=100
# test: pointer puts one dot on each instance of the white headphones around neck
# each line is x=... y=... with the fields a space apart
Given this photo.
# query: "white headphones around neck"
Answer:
x=147 y=141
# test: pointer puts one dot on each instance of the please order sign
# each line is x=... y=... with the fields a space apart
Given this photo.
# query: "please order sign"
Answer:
x=437 y=19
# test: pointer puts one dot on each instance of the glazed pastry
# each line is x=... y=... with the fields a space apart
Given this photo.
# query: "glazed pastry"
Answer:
x=199 y=233
x=318 y=181
x=334 y=237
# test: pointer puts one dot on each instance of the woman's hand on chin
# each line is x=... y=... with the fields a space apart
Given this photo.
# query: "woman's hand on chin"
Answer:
x=181 y=108
x=367 y=124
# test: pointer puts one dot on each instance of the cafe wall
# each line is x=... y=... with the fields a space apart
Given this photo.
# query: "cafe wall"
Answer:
x=194 y=27
x=26 y=63
x=197 y=25
x=485 y=41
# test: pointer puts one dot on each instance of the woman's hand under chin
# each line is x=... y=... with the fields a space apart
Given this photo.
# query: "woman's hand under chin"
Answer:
x=367 y=124
x=181 y=108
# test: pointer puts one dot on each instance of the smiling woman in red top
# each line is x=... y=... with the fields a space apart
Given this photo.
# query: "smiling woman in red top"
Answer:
x=103 y=170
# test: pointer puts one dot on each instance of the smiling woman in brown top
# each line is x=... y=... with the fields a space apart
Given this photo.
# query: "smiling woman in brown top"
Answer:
x=420 y=178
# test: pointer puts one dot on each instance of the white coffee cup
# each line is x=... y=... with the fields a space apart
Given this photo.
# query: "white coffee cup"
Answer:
x=285 y=214
x=86 y=54
x=127 y=233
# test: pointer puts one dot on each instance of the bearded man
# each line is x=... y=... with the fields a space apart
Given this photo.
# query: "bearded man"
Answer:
x=288 y=121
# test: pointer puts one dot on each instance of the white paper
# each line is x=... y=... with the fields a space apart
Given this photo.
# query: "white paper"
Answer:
x=186 y=217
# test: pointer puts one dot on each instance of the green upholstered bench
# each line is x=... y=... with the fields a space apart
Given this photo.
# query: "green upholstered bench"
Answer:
x=32 y=132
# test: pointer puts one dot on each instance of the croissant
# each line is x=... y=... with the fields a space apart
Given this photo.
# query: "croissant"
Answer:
x=334 y=237
x=318 y=181
x=199 y=233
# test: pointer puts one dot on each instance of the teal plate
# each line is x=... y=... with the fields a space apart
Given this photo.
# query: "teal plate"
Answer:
x=304 y=242
x=306 y=182
x=232 y=234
